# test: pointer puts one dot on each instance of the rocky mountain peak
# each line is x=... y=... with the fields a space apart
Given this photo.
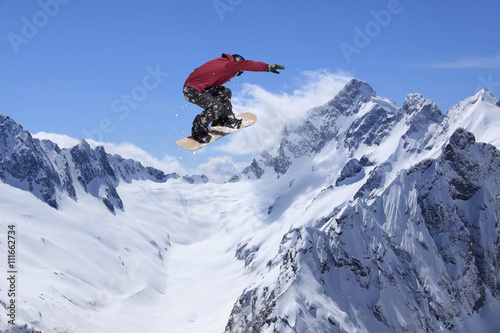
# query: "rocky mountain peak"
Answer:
x=356 y=88
x=13 y=135
x=348 y=100
x=356 y=116
x=416 y=103
x=83 y=145
x=461 y=139
x=485 y=94
x=25 y=164
x=8 y=123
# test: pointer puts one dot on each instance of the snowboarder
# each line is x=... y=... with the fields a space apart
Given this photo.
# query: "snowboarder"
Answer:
x=204 y=88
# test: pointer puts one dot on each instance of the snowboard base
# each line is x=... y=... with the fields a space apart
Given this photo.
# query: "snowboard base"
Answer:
x=217 y=132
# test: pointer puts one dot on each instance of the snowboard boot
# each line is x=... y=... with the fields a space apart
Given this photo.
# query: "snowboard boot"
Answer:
x=200 y=129
x=201 y=135
x=230 y=122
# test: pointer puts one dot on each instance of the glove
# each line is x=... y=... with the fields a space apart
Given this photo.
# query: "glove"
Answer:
x=273 y=68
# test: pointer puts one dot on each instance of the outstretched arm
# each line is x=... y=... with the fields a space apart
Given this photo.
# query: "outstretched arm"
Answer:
x=247 y=65
x=253 y=66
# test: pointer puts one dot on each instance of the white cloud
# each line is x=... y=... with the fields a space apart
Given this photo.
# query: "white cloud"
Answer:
x=274 y=111
x=126 y=150
x=63 y=141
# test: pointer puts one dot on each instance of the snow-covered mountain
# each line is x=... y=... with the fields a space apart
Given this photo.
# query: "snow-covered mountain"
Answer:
x=45 y=170
x=406 y=212
x=366 y=217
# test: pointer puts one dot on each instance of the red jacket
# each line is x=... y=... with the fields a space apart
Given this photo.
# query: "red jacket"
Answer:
x=219 y=71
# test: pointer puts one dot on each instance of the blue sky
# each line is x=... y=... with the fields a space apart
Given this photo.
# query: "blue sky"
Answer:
x=113 y=70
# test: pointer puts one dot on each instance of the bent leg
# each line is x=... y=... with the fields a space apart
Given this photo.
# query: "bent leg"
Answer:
x=223 y=95
x=213 y=108
x=227 y=118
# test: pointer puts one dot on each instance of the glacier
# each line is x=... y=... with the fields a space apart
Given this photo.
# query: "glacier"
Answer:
x=364 y=217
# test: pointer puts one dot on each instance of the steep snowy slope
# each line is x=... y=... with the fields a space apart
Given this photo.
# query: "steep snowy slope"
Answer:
x=333 y=203
x=165 y=263
x=365 y=217
x=421 y=256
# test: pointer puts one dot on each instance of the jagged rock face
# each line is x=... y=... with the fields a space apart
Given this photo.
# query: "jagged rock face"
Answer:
x=420 y=247
x=352 y=169
x=421 y=116
x=96 y=175
x=355 y=117
x=462 y=214
x=371 y=129
x=350 y=99
x=422 y=112
x=375 y=180
x=25 y=164
x=415 y=249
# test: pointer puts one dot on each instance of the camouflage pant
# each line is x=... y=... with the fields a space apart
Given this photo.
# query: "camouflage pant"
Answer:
x=216 y=103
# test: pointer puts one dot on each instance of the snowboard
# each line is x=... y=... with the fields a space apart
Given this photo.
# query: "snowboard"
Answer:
x=217 y=132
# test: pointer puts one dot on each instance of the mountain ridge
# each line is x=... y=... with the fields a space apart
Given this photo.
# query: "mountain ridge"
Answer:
x=48 y=171
x=320 y=254
x=422 y=137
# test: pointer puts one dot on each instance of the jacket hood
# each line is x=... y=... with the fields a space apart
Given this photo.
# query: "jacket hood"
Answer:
x=225 y=55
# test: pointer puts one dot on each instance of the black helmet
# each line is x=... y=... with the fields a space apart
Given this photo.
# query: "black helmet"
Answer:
x=237 y=57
